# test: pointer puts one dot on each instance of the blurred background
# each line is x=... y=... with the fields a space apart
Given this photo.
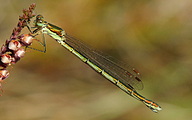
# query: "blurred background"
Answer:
x=151 y=35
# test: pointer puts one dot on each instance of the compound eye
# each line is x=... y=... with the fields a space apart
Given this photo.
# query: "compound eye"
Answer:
x=40 y=21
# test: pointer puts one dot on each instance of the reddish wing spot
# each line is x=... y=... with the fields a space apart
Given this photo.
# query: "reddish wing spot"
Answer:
x=137 y=79
x=137 y=72
x=128 y=73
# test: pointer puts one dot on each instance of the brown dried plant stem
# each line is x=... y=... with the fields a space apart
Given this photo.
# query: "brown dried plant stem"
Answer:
x=12 y=51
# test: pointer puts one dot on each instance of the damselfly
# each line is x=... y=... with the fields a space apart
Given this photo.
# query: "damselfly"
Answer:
x=125 y=77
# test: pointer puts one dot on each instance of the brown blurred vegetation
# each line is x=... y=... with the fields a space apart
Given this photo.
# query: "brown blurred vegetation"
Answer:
x=153 y=36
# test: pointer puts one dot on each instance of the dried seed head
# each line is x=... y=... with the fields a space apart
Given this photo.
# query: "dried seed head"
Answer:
x=26 y=39
x=4 y=74
x=19 y=53
x=6 y=59
x=14 y=45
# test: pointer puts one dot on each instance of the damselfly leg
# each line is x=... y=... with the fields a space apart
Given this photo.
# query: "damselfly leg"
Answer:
x=35 y=33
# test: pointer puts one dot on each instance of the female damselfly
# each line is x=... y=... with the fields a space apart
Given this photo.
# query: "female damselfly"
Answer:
x=125 y=77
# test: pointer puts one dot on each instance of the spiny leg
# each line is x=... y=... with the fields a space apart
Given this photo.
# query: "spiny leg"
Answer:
x=37 y=30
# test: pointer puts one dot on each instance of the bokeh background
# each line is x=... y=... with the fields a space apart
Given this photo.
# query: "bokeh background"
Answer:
x=154 y=36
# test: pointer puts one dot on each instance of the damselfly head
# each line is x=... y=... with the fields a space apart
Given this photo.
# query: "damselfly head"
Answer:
x=39 y=22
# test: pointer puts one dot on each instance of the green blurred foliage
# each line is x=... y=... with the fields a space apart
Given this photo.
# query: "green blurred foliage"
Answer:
x=153 y=36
